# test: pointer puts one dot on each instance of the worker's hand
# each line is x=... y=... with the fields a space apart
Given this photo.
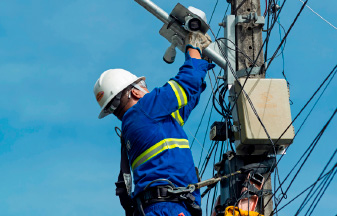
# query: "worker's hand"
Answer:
x=197 y=40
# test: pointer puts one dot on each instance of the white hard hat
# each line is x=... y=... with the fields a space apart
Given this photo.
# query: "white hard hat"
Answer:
x=110 y=83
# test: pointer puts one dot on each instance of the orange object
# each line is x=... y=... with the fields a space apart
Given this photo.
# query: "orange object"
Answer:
x=181 y=214
x=231 y=211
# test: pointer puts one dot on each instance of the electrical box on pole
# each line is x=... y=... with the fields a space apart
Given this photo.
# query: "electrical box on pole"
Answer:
x=270 y=98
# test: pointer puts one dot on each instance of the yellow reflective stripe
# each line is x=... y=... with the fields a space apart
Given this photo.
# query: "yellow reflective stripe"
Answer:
x=179 y=92
x=157 y=148
x=176 y=115
x=183 y=93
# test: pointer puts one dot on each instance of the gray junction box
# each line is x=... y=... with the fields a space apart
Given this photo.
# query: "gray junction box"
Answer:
x=270 y=98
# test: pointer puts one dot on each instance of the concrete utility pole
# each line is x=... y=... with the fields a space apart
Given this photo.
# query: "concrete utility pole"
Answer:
x=248 y=35
x=249 y=41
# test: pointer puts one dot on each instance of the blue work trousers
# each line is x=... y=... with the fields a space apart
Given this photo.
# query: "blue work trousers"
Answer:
x=166 y=209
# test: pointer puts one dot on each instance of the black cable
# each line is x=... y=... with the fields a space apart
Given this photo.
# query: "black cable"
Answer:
x=255 y=60
x=209 y=153
x=317 y=90
x=238 y=7
x=237 y=49
x=216 y=4
x=332 y=73
x=249 y=100
x=299 y=129
x=311 y=147
x=217 y=34
x=202 y=117
x=286 y=35
x=283 y=47
x=207 y=159
x=203 y=144
x=259 y=53
x=320 y=189
x=266 y=49
x=301 y=193
x=323 y=192
x=305 y=201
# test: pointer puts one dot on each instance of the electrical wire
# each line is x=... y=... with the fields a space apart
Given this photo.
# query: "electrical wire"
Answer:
x=202 y=117
x=309 y=150
x=326 y=187
x=301 y=193
x=319 y=16
x=304 y=121
x=255 y=60
x=209 y=119
x=331 y=74
x=215 y=6
x=268 y=38
x=309 y=195
x=250 y=102
x=286 y=35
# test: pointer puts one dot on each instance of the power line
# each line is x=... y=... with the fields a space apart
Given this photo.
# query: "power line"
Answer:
x=331 y=74
x=299 y=129
x=286 y=35
x=326 y=187
x=215 y=6
x=301 y=193
x=319 y=16
x=309 y=150
x=317 y=90
x=202 y=117
x=308 y=197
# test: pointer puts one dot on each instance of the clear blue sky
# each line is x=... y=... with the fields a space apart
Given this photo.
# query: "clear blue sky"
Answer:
x=57 y=158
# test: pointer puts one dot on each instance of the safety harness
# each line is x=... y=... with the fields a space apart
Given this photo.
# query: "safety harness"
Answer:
x=124 y=183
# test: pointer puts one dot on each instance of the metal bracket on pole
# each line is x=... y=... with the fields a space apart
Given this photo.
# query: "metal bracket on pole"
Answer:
x=230 y=70
x=250 y=17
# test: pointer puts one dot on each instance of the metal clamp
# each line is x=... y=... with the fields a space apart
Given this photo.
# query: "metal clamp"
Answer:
x=182 y=190
x=250 y=17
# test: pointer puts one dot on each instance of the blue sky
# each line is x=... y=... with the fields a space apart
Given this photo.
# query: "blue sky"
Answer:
x=57 y=158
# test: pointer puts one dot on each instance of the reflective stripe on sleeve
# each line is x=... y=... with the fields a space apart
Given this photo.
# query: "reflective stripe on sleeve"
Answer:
x=179 y=92
x=157 y=148
x=176 y=115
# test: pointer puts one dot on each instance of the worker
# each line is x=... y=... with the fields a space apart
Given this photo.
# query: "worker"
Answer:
x=157 y=146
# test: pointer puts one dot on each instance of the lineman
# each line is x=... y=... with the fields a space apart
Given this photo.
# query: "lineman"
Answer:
x=157 y=146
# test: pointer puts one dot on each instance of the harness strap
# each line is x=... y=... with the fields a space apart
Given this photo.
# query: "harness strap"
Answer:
x=166 y=194
x=124 y=183
x=157 y=194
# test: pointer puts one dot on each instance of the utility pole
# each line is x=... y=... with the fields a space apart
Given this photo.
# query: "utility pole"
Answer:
x=248 y=35
x=248 y=38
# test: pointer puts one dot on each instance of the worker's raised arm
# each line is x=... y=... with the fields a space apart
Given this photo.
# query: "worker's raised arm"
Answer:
x=182 y=90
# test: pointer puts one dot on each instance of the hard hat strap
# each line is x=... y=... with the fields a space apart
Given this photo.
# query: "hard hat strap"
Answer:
x=112 y=106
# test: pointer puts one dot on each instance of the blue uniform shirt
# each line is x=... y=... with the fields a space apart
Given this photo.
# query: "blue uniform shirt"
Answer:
x=152 y=129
